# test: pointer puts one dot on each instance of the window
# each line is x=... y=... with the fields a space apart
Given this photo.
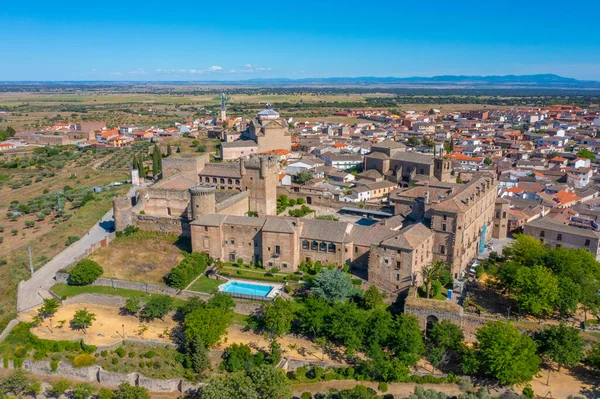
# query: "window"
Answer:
x=386 y=261
x=232 y=257
x=277 y=249
x=559 y=237
x=331 y=247
x=314 y=246
x=205 y=228
x=443 y=249
x=284 y=265
x=504 y=214
x=224 y=242
x=587 y=243
x=444 y=227
x=222 y=181
x=232 y=241
x=445 y=217
x=305 y=244
x=397 y=276
x=323 y=247
x=542 y=233
x=398 y=264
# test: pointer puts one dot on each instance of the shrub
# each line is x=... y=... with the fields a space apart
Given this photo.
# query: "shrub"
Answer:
x=105 y=394
x=84 y=360
x=20 y=351
x=54 y=365
x=104 y=353
x=58 y=388
x=149 y=354
x=83 y=390
x=187 y=270
x=86 y=271
x=131 y=354
x=120 y=352
x=306 y=395
x=115 y=360
x=382 y=386
x=71 y=240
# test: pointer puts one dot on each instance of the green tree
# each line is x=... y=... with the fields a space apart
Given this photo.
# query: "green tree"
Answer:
x=372 y=297
x=412 y=141
x=347 y=325
x=487 y=161
x=58 y=388
x=49 y=307
x=82 y=390
x=278 y=317
x=270 y=383
x=584 y=153
x=535 y=289
x=333 y=285
x=133 y=305
x=157 y=307
x=526 y=250
x=313 y=315
x=82 y=319
x=562 y=344
x=207 y=325
x=406 y=340
x=592 y=358
x=127 y=391
x=446 y=335
x=238 y=357
x=432 y=272
x=568 y=296
x=197 y=355
x=169 y=151
x=505 y=354
x=234 y=386
x=302 y=177
x=105 y=394
x=15 y=383
x=86 y=271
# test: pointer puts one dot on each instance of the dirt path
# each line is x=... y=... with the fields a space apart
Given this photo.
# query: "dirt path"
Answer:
x=399 y=390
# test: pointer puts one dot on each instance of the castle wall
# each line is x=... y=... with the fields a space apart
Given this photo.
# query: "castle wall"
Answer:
x=164 y=224
x=236 y=205
x=189 y=167
x=287 y=260
x=164 y=203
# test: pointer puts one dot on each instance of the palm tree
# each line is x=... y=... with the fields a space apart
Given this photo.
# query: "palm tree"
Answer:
x=431 y=272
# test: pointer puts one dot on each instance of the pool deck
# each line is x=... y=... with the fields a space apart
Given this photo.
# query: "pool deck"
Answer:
x=277 y=287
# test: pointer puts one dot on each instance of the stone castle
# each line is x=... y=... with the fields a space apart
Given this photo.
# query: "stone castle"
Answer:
x=211 y=205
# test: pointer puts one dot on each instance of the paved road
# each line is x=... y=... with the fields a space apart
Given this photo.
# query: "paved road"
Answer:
x=32 y=292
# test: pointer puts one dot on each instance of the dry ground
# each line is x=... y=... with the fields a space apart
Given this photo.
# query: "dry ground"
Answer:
x=399 y=390
x=143 y=257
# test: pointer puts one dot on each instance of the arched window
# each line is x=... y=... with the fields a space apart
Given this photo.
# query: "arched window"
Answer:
x=323 y=247
x=331 y=247
x=305 y=244
x=222 y=180
x=229 y=181
x=314 y=246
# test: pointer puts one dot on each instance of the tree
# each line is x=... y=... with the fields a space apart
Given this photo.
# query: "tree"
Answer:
x=237 y=358
x=568 y=296
x=278 y=317
x=15 y=383
x=333 y=285
x=584 y=153
x=526 y=250
x=270 y=383
x=535 y=289
x=86 y=271
x=234 y=386
x=82 y=390
x=432 y=272
x=372 y=297
x=592 y=358
x=49 y=307
x=58 y=388
x=105 y=393
x=313 y=315
x=222 y=301
x=406 y=340
x=133 y=305
x=302 y=177
x=82 y=319
x=487 y=161
x=158 y=306
x=169 y=151
x=207 y=325
x=446 y=335
x=562 y=344
x=347 y=325
x=127 y=391
x=197 y=355
x=505 y=354
x=412 y=141
x=156 y=161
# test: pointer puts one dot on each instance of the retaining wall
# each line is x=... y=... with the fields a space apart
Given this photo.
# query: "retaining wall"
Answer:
x=107 y=378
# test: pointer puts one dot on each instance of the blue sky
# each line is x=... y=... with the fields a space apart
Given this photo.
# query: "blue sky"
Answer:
x=232 y=40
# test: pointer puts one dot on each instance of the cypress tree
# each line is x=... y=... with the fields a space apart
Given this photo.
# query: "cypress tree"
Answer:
x=168 y=150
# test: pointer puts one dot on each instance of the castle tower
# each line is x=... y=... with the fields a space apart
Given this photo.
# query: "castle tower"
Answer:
x=223 y=108
x=203 y=201
x=501 y=210
x=261 y=179
x=442 y=169
x=122 y=210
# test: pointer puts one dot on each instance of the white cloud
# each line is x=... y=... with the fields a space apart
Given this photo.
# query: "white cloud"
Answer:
x=260 y=69
x=139 y=71
x=212 y=69
x=248 y=65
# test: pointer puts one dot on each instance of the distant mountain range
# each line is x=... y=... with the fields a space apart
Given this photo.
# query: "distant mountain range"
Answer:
x=540 y=81
x=533 y=81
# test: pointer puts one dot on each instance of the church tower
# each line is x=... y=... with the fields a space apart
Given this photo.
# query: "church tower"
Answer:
x=442 y=169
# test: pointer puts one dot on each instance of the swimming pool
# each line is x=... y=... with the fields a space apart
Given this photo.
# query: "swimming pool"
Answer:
x=235 y=287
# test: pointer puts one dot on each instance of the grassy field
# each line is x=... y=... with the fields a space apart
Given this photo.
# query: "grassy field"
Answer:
x=66 y=291
x=44 y=248
x=205 y=284
x=143 y=256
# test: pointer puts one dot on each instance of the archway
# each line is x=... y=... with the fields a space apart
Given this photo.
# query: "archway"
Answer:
x=431 y=320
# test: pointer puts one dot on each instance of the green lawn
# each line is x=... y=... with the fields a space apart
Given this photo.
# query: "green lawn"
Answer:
x=65 y=291
x=240 y=319
x=250 y=275
x=205 y=284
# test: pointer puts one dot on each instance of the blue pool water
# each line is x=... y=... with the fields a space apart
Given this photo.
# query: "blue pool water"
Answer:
x=236 y=287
